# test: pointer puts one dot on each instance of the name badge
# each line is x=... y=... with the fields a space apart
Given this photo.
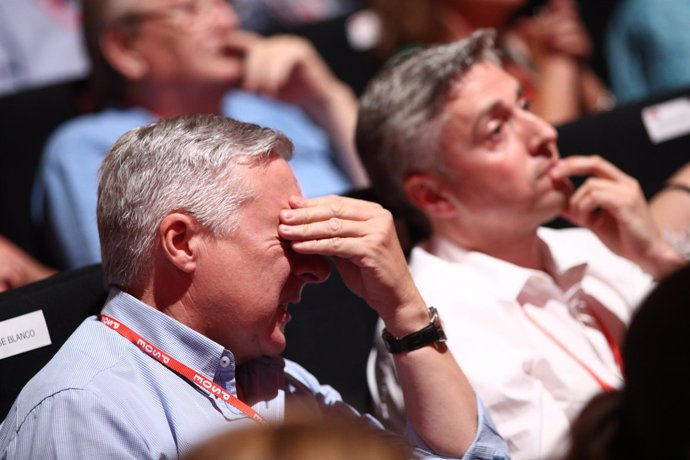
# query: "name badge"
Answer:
x=667 y=120
x=23 y=333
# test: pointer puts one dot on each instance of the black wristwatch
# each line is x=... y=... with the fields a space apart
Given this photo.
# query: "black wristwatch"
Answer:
x=429 y=335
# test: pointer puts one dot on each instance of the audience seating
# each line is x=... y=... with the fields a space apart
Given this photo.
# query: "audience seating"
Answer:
x=330 y=334
x=27 y=118
x=620 y=136
x=332 y=329
x=66 y=299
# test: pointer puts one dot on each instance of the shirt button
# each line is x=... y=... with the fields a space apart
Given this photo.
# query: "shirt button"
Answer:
x=224 y=362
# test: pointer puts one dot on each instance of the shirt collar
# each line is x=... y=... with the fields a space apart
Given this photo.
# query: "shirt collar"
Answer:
x=169 y=335
x=508 y=280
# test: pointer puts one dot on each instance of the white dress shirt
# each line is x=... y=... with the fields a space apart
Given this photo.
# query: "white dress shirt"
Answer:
x=504 y=324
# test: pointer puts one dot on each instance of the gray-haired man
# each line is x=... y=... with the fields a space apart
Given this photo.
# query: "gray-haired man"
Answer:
x=206 y=240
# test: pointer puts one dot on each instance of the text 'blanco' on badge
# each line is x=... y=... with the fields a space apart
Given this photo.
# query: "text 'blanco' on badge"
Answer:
x=23 y=333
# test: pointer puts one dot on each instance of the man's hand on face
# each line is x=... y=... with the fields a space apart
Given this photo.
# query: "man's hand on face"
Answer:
x=611 y=204
x=361 y=239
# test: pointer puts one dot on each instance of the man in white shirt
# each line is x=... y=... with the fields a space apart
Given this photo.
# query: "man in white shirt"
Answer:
x=533 y=315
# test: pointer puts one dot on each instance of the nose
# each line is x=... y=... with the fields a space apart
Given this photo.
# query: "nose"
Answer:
x=226 y=15
x=310 y=268
x=540 y=136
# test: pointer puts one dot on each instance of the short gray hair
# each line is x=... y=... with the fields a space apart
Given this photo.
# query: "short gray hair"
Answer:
x=401 y=116
x=184 y=164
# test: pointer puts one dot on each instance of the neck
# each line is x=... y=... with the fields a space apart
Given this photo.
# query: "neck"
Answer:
x=167 y=290
x=524 y=249
x=167 y=101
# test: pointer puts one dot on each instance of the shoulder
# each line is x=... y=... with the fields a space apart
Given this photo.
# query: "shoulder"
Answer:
x=632 y=14
x=298 y=376
x=93 y=132
x=73 y=423
x=78 y=366
x=571 y=246
x=237 y=101
x=430 y=270
x=282 y=116
x=421 y=261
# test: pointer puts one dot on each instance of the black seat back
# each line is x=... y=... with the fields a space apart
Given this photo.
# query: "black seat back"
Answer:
x=65 y=300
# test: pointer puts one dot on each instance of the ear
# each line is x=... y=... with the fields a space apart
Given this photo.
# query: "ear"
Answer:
x=180 y=236
x=426 y=192
x=118 y=46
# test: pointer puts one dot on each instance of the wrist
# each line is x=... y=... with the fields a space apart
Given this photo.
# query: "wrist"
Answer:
x=677 y=186
x=406 y=319
x=666 y=261
x=334 y=98
x=431 y=334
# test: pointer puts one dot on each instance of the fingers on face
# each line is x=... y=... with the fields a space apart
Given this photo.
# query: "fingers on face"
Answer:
x=593 y=165
x=326 y=207
x=336 y=226
x=597 y=194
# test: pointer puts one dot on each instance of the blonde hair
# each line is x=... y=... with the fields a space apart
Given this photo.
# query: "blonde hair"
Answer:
x=306 y=437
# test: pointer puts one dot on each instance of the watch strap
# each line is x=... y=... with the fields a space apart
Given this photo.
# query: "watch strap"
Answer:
x=429 y=335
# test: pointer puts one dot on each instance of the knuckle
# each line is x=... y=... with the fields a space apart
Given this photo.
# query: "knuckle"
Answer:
x=336 y=209
x=336 y=243
x=335 y=224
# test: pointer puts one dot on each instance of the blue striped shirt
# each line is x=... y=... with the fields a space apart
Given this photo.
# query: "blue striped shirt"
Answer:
x=102 y=397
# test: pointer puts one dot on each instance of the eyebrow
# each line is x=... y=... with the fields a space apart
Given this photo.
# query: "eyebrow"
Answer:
x=493 y=107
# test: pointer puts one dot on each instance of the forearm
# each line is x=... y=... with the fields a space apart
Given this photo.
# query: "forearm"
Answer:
x=336 y=113
x=662 y=261
x=439 y=400
x=360 y=238
x=670 y=207
x=596 y=97
x=557 y=98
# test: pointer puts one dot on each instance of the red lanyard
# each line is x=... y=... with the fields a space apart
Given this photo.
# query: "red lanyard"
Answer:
x=206 y=385
x=604 y=330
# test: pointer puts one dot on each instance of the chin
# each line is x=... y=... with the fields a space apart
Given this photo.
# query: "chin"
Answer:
x=552 y=208
x=276 y=345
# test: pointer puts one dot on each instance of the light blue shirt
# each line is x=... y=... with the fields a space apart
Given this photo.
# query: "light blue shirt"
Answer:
x=65 y=192
x=103 y=397
x=647 y=45
x=40 y=44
